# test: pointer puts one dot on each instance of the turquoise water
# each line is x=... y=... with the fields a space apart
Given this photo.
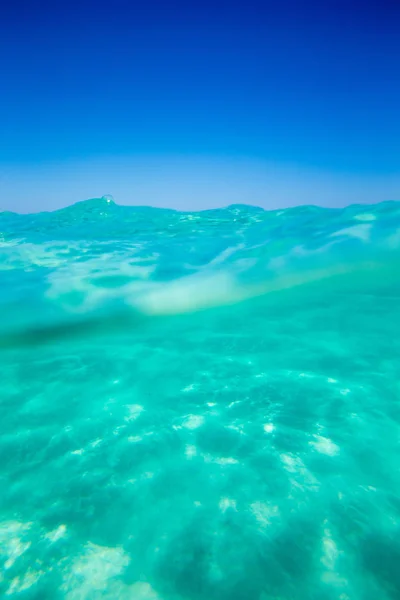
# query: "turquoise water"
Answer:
x=200 y=406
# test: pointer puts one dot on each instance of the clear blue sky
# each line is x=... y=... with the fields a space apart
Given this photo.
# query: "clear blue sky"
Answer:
x=187 y=102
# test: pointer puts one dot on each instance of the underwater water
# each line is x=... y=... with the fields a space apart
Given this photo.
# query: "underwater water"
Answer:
x=200 y=406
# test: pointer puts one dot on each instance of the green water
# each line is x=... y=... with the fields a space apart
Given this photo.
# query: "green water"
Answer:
x=200 y=406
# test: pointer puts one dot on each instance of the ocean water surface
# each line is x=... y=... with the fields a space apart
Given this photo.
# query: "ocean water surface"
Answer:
x=200 y=406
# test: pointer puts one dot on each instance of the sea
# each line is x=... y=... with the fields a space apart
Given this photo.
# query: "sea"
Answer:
x=200 y=405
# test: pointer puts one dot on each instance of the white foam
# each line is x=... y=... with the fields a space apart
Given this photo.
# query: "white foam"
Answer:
x=269 y=427
x=261 y=375
x=226 y=503
x=12 y=543
x=237 y=428
x=324 y=445
x=220 y=258
x=134 y=410
x=189 y=388
x=228 y=460
x=193 y=422
x=56 y=534
x=191 y=293
x=24 y=582
x=330 y=552
x=264 y=512
x=134 y=439
x=92 y=570
x=96 y=442
x=190 y=451
x=118 y=429
x=329 y=559
x=234 y=403
x=361 y=232
x=365 y=217
x=293 y=464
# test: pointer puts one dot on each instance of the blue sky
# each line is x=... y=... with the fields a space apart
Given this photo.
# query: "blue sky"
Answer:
x=198 y=104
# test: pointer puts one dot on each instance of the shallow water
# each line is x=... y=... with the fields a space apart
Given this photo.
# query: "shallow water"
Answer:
x=200 y=406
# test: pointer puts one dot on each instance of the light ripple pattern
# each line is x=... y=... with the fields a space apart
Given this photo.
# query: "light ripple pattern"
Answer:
x=200 y=406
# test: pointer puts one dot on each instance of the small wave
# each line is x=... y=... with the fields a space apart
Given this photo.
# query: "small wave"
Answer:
x=95 y=259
